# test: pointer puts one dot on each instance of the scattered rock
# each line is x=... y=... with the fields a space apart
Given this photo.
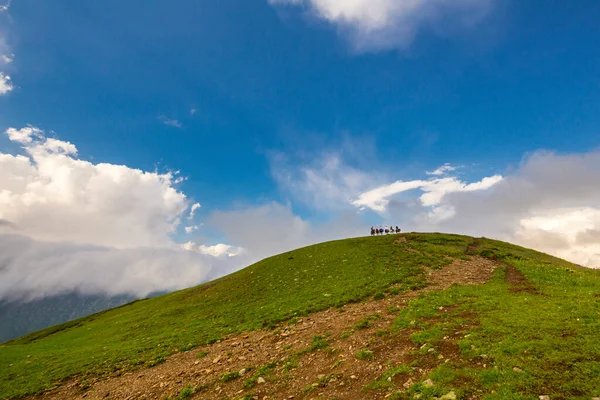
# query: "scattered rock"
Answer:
x=517 y=370
x=544 y=397
x=353 y=377
x=216 y=360
x=428 y=383
x=242 y=371
x=260 y=380
x=449 y=396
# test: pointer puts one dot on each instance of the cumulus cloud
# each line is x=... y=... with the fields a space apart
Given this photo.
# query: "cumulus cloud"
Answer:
x=384 y=24
x=7 y=59
x=50 y=194
x=5 y=84
x=69 y=224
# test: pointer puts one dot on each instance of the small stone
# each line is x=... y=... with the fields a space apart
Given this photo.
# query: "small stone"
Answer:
x=484 y=356
x=428 y=383
x=196 y=362
x=260 y=380
x=320 y=376
x=544 y=397
x=417 y=396
x=216 y=360
x=431 y=350
x=440 y=357
x=389 y=379
x=353 y=377
x=449 y=396
x=242 y=371
x=517 y=369
x=408 y=383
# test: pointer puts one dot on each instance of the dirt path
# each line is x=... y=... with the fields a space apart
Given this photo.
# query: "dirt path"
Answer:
x=333 y=372
x=518 y=281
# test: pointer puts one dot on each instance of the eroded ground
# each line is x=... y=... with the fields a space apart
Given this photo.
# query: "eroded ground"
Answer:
x=337 y=353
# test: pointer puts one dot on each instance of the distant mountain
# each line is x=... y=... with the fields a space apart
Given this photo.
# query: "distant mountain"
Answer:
x=20 y=318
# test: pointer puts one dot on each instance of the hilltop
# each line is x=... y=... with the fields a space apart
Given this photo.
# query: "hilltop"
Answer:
x=400 y=317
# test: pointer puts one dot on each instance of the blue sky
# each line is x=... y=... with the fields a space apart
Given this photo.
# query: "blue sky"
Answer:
x=244 y=97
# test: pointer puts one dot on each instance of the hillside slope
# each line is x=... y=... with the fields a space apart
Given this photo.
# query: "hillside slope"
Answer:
x=530 y=330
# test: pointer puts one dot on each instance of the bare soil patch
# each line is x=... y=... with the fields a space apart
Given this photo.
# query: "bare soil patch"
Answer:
x=518 y=281
x=331 y=372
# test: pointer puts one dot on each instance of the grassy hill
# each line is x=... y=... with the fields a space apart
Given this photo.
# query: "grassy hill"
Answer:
x=536 y=321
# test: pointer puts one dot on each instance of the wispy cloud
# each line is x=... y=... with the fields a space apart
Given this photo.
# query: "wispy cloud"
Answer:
x=192 y=228
x=385 y=24
x=170 y=122
x=5 y=84
x=195 y=207
x=443 y=170
x=193 y=111
x=6 y=6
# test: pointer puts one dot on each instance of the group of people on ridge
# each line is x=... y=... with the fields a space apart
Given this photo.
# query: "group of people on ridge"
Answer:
x=380 y=230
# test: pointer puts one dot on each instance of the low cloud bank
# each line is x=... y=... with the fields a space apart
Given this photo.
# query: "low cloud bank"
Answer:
x=69 y=225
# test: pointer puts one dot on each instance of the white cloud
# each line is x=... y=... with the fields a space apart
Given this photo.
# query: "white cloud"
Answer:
x=551 y=203
x=190 y=229
x=24 y=135
x=273 y=228
x=193 y=210
x=193 y=111
x=6 y=6
x=218 y=250
x=52 y=195
x=7 y=59
x=443 y=170
x=384 y=24
x=5 y=84
x=434 y=191
x=326 y=183
x=34 y=269
x=170 y=122
x=67 y=224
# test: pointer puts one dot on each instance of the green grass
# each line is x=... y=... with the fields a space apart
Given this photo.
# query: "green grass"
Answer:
x=385 y=380
x=551 y=336
x=364 y=354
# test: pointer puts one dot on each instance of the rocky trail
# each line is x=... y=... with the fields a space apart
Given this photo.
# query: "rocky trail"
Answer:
x=310 y=357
